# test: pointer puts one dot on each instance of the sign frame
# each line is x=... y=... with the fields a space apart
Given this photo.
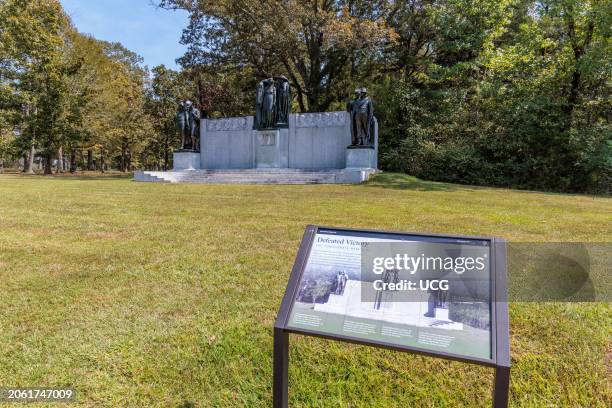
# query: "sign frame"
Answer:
x=500 y=335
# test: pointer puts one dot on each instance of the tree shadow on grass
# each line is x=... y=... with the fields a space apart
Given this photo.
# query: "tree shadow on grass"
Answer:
x=405 y=182
x=77 y=176
x=126 y=176
x=402 y=181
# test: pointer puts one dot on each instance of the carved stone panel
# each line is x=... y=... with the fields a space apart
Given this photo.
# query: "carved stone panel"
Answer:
x=226 y=124
x=324 y=119
x=267 y=138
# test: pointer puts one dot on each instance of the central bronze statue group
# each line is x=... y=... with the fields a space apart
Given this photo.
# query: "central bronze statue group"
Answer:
x=273 y=103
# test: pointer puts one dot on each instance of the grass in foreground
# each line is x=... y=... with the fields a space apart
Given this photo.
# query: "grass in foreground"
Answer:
x=165 y=295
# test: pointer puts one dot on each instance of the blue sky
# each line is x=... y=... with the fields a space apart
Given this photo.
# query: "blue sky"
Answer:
x=152 y=33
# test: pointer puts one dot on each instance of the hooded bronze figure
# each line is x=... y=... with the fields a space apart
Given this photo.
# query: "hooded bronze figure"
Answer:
x=273 y=103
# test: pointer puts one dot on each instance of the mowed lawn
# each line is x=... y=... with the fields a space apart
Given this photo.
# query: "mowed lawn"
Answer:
x=142 y=294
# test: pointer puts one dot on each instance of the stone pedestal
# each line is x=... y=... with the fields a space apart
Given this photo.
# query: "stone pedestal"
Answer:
x=271 y=148
x=186 y=160
x=360 y=157
x=441 y=314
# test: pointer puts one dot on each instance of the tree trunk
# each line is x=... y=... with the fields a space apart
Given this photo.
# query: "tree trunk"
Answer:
x=129 y=160
x=1 y=166
x=579 y=48
x=166 y=158
x=48 y=164
x=123 y=163
x=60 y=160
x=73 y=162
x=29 y=163
x=90 y=164
x=572 y=98
x=81 y=159
x=102 y=163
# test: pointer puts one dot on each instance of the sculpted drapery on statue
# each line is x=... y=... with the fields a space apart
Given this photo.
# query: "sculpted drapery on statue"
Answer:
x=273 y=103
x=268 y=106
x=283 y=94
x=188 y=122
x=362 y=118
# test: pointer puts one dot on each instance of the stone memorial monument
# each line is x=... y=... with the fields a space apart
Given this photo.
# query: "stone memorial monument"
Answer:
x=274 y=145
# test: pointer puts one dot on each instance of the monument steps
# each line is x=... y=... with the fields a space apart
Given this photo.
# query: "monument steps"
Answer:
x=253 y=176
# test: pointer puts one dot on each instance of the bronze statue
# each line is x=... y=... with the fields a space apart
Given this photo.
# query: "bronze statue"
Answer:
x=273 y=103
x=362 y=118
x=188 y=122
x=266 y=104
x=283 y=105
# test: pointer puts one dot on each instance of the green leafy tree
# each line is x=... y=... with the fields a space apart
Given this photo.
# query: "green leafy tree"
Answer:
x=65 y=91
x=167 y=89
x=112 y=86
x=128 y=121
x=320 y=45
x=545 y=91
x=7 y=147
x=526 y=107
x=31 y=43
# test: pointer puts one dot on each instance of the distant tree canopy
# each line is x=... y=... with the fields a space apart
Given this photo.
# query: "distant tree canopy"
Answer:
x=64 y=92
x=494 y=92
x=509 y=93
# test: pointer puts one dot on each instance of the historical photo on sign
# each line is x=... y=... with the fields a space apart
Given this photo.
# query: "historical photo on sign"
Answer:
x=422 y=292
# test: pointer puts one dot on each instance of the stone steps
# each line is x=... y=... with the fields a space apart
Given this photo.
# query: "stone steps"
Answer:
x=254 y=176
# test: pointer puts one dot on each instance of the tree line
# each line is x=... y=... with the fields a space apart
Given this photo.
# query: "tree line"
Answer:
x=73 y=102
x=490 y=92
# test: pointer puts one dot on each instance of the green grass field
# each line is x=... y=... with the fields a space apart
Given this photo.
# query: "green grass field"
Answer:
x=145 y=294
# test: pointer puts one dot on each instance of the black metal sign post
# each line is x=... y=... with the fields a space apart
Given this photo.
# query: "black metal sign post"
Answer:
x=501 y=330
x=500 y=360
x=281 y=368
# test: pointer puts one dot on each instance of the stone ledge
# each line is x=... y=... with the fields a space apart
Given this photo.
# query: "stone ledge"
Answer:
x=186 y=160
x=261 y=176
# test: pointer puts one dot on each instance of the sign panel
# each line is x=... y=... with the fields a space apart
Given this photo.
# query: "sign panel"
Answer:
x=425 y=293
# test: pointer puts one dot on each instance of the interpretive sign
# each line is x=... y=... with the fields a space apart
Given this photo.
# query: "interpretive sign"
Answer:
x=436 y=295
